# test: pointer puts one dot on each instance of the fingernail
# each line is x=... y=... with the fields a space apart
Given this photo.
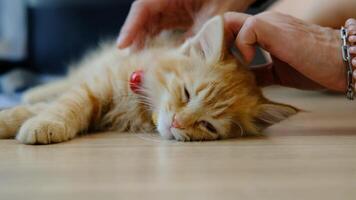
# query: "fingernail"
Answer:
x=352 y=50
x=354 y=62
x=354 y=74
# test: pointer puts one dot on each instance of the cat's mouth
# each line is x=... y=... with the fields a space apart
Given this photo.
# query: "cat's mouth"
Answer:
x=167 y=131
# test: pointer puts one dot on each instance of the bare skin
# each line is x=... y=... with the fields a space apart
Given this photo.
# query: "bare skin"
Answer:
x=149 y=17
x=351 y=26
x=306 y=56
x=312 y=50
x=322 y=12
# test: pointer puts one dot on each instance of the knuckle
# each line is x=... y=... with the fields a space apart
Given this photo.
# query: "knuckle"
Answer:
x=252 y=21
x=228 y=17
x=350 y=21
x=229 y=14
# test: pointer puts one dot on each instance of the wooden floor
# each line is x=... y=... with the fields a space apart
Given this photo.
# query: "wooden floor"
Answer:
x=311 y=156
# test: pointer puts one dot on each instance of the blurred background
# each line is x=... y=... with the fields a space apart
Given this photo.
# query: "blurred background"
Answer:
x=40 y=37
x=44 y=35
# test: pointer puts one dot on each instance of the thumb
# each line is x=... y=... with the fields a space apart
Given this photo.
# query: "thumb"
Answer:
x=247 y=39
x=233 y=22
x=238 y=27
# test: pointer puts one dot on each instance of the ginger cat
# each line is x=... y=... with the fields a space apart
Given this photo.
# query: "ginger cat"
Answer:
x=196 y=91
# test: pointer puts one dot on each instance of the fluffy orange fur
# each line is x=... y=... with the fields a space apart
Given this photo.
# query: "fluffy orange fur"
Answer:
x=198 y=84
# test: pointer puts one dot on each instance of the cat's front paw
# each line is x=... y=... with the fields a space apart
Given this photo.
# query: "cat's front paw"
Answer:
x=4 y=131
x=43 y=131
x=11 y=120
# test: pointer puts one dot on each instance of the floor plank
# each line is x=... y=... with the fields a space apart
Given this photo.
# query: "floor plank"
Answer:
x=310 y=156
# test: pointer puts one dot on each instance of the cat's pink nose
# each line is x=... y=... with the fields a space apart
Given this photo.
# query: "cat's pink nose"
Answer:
x=176 y=123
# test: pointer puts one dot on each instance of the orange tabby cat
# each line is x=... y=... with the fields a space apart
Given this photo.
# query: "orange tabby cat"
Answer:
x=196 y=92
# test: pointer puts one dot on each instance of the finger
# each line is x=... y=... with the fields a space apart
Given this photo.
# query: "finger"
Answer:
x=351 y=30
x=233 y=22
x=246 y=40
x=353 y=62
x=352 y=38
x=352 y=50
x=137 y=18
x=350 y=22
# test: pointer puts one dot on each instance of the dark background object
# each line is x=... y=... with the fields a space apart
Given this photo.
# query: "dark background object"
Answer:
x=60 y=34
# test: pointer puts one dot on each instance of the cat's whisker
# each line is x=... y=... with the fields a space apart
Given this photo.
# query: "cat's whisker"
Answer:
x=146 y=103
x=148 y=99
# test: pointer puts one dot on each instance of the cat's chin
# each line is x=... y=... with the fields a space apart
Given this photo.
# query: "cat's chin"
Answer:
x=166 y=134
x=164 y=130
x=164 y=121
x=173 y=134
x=169 y=133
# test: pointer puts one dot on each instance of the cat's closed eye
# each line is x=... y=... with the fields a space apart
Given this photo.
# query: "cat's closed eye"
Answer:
x=186 y=95
x=208 y=126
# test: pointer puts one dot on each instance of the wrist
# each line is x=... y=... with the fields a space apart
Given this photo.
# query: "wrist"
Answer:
x=320 y=58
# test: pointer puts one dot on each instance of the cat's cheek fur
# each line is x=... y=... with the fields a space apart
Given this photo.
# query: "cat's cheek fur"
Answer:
x=180 y=135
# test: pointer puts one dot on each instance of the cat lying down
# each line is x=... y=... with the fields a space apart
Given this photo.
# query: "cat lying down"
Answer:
x=194 y=92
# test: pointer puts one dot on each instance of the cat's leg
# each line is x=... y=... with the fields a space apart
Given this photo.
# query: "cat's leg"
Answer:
x=11 y=119
x=66 y=117
x=46 y=92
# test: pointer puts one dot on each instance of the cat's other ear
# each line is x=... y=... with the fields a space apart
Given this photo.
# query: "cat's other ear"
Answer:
x=208 y=42
x=270 y=113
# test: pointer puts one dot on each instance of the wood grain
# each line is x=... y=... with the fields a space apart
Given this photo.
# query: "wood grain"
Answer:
x=310 y=156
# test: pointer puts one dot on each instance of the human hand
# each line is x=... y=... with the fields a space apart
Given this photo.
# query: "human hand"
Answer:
x=313 y=51
x=351 y=27
x=149 y=17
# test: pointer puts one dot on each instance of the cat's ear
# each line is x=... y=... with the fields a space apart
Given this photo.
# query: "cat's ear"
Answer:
x=270 y=113
x=208 y=42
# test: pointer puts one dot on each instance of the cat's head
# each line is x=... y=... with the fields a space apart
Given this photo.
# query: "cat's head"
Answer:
x=203 y=93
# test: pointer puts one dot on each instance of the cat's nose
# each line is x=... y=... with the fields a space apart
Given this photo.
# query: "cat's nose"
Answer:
x=176 y=123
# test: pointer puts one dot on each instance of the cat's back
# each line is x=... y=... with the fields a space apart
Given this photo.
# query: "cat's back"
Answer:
x=98 y=61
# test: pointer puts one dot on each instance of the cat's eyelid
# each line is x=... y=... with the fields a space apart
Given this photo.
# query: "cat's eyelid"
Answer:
x=186 y=93
x=209 y=126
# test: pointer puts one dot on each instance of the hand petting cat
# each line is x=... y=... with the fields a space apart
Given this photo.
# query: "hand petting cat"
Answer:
x=306 y=56
x=312 y=51
x=149 y=17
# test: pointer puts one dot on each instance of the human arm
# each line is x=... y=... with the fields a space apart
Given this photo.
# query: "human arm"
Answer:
x=322 y=12
x=312 y=51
